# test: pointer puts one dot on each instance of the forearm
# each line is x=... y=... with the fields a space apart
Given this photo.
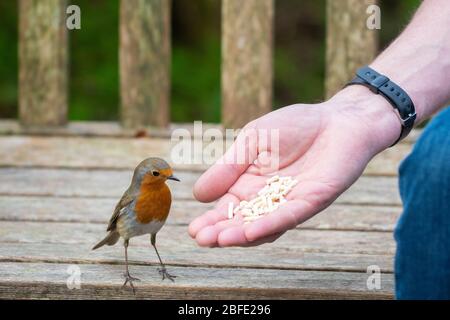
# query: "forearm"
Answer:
x=418 y=61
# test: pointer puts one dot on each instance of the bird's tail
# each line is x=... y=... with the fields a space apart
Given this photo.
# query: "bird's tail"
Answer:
x=110 y=239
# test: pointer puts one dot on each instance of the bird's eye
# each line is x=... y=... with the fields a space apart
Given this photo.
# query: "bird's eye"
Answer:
x=155 y=173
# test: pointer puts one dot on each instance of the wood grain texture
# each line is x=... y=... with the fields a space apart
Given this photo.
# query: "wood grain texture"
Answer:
x=99 y=210
x=113 y=129
x=349 y=43
x=145 y=62
x=297 y=249
x=247 y=41
x=57 y=193
x=112 y=184
x=110 y=129
x=42 y=62
x=48 y=280
x=126 y=153
x=260 y=258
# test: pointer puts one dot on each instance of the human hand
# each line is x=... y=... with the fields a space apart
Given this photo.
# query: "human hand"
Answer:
x=324 y=146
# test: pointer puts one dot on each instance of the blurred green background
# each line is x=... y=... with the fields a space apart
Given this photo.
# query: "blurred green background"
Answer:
x=94 y=82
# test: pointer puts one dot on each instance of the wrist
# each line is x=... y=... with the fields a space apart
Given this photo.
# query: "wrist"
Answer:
x=380 y=123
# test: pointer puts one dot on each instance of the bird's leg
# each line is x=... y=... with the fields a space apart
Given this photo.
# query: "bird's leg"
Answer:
x=163 y=271
x=128 y=277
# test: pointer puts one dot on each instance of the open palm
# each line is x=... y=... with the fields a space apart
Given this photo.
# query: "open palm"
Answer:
x=324 y=148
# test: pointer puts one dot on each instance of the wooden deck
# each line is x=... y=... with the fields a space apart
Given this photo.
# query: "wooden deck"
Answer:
x=57 y=191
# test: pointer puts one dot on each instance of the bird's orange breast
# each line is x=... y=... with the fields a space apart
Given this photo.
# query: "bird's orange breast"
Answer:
x=153 y=203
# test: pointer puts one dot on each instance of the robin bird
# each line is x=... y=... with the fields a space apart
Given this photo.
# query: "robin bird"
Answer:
x=143 y=209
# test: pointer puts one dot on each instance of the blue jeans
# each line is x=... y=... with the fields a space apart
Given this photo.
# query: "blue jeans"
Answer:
x=422 y=262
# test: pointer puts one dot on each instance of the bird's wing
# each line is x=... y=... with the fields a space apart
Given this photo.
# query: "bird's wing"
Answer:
x=126 y=199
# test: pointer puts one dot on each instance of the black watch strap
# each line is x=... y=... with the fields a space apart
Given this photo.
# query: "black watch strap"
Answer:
x=396 y=96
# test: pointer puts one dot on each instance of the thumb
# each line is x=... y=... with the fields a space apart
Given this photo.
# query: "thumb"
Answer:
x=216 y=181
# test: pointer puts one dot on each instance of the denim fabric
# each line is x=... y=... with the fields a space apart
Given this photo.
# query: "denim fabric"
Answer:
x=422 y=262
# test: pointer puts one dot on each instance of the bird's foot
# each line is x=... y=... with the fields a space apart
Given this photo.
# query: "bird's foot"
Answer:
x=129 y=279
x=163 y=272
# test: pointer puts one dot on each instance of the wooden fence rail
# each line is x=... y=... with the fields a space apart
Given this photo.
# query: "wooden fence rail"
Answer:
x=247 y=32
x=145 y=62
x=145 y=53
x=42 y=62
x=350 y=44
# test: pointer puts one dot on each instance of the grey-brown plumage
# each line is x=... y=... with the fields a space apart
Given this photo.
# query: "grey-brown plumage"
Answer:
x=129 y=195
x=142 y=209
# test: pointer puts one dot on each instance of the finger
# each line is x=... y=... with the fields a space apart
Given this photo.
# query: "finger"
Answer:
x=286 y=217
x=304 y=201
x=211 y=217
x=207 y=237
x=224 y=173
x=247 y=186
x=235 y=236
x=268 y=239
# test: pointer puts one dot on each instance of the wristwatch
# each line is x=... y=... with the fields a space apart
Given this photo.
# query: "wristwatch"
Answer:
x=397 y=97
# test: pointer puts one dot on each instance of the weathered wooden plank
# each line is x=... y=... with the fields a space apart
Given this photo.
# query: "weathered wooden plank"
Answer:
x=79 y=152
x=42 y=62
x=112 y=153
x=336 y=217
x=260 y=258
x=93 y=210
x=49 y=280
x=112 y=183
x=313 y=253
x=350 y=44
x=80 y=183
x=113 y=129
x=145 y=62
x=97 y=129
x=247 y=41
x=176 y=245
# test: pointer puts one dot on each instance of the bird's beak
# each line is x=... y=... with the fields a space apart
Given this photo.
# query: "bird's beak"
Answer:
x=172 y=177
